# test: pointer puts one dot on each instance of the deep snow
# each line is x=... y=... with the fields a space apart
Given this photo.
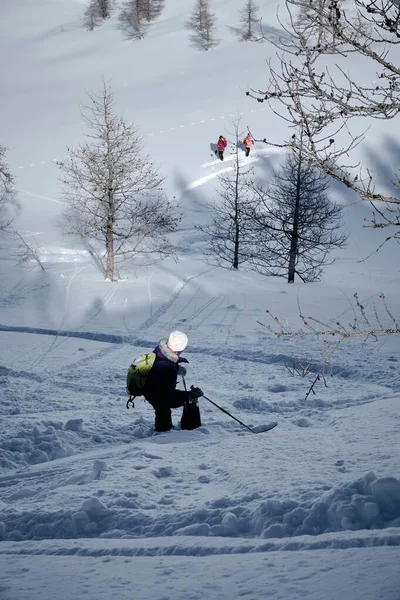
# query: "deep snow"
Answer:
x=92 y=503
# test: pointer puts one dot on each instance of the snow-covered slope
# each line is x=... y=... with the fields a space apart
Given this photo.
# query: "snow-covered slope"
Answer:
x=92 y=504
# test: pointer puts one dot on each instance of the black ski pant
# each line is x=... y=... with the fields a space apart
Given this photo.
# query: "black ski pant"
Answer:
x=247 y=151
x=162 y=409
x=221 y=154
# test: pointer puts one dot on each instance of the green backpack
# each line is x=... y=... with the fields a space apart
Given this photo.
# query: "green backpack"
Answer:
x=138 y=373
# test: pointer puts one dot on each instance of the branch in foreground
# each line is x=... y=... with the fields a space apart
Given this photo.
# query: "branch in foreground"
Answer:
x=380 y=321
x=367 y=322
x=26 y=253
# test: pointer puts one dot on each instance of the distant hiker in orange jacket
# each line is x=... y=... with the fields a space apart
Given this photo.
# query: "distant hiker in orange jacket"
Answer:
x=221 y=145
x=248 y=142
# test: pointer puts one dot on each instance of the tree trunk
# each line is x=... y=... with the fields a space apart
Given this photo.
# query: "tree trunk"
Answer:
x=110 y=255
x=236 y=218
x=236 y=251
x=104 y=9
x=147 y=11
x=294 y=240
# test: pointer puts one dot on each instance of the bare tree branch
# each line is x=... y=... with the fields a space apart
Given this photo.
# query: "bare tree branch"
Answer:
x=367 y=322
x=6 y=192
x=325 y=100
x=26 y=253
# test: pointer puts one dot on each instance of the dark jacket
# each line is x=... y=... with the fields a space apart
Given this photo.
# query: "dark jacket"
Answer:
x=162 y=379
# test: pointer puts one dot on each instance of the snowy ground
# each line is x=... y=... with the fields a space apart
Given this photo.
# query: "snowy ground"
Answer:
x=196 y=570
x=92 y=503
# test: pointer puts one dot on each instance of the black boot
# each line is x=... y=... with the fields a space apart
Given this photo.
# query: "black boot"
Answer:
x=163 y=420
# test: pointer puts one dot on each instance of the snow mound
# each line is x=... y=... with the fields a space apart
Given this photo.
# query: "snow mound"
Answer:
x=33 y=446
x=51 y=440
x=74 y=425
x=251 y=404
x=369 y=503
x=366 y=504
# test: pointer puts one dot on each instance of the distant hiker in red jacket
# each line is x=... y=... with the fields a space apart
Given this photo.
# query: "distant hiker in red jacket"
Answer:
x=221 y=145
x=248 y=142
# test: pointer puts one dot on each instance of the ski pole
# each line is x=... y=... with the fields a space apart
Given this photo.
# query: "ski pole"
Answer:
x=229 y=414
x=257 y=430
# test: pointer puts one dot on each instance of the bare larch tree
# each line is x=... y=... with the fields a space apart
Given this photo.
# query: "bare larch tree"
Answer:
x=6 y=191
x=328 y=102
x=95 y=12
x=92 y=15
x=227 y=231
x=294 y=225
x=132 y=19
x=114 y=199
x=202 y=23
x=105 y=8
x=249 y=23
x=151 y=9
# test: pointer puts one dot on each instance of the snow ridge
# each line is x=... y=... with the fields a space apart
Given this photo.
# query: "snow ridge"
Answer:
x=369 y=503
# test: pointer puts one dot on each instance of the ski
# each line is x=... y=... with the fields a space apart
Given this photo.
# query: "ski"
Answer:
x=258 y=429
x=264 y=428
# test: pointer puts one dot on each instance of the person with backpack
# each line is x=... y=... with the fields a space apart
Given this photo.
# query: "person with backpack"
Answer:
x=248 y=142
x=221 y=145
x=159 y=389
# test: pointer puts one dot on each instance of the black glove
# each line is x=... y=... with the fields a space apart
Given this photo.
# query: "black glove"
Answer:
x=195 y=392
x=181 y=370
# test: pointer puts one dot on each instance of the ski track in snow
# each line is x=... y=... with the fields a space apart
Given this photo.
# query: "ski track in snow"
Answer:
x=192 y=315
x=54 y=342
x=112 y=340
x=38 y=195
x=137 y=339
x=183 y=546
x=160 y=132
x=243 y=162
x=250 y=402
